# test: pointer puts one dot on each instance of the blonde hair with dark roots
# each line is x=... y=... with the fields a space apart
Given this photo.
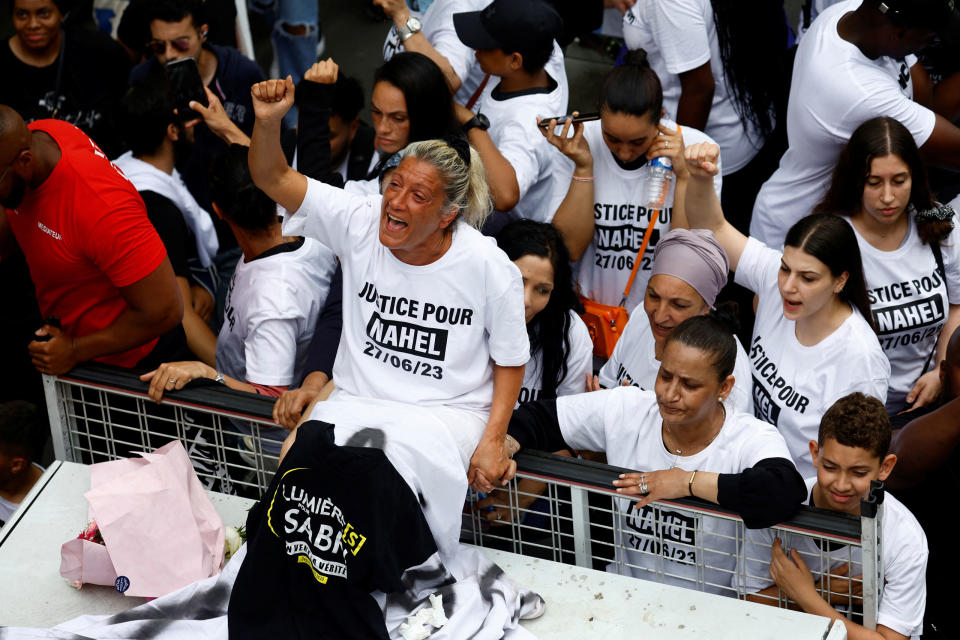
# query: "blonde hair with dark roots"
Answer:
x=466 y=187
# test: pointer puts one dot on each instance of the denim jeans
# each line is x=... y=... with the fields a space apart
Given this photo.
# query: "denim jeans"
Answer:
x=295 y=53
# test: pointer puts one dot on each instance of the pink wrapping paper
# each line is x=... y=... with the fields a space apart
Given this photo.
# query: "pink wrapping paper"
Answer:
x=160 y=528
x=82 y=561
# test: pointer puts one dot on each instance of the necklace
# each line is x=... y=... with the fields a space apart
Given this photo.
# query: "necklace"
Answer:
x=677 y=452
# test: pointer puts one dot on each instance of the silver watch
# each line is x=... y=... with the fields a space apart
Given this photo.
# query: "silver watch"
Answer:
x=412 y=26
x=220 y=378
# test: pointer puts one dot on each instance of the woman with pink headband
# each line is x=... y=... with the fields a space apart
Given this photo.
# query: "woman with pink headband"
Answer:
x=689 y=269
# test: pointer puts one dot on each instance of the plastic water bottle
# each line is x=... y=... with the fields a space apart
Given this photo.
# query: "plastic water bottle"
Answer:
x=658 y=181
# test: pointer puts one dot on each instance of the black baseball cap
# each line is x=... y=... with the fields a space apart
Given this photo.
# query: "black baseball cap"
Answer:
x=511 y=25
x=940 y=16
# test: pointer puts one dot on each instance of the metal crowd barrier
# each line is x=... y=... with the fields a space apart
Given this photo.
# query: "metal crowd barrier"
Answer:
x=559 y=508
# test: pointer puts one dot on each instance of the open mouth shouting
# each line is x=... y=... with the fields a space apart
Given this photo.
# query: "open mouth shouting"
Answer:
x=791 y=306
x=394 y=223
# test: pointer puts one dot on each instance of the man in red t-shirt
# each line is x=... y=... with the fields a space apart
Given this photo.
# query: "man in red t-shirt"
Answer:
x=95 y=259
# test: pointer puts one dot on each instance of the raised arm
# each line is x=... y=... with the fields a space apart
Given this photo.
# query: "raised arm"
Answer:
x=574 y=217
x=268 y=166
x=398 y=12
x=701 y=204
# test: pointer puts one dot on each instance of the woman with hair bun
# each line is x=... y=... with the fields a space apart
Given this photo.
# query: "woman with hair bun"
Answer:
x=604 y=213
x=911 y=254
x=813 y=340
x=689 y=270
x=434 y=339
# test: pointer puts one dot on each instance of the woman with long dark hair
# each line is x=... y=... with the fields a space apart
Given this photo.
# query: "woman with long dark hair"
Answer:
x=813 y=340
x=561 y=353
x=911 y=253
x=410 y=102
x=605 y=213
x=722 y=64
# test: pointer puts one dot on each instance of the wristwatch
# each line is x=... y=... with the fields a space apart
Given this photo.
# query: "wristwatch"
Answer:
x=478 y=121
x=220 y=378
x=412 y=26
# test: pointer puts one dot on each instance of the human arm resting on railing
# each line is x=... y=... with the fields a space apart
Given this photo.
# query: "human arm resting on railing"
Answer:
x=763 y=495
x=792 y=575
x=268 y=166
x=154 y=307
x=535 y=425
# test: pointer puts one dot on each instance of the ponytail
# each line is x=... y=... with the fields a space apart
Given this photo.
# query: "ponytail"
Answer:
x=633 y=88
x=466 y=185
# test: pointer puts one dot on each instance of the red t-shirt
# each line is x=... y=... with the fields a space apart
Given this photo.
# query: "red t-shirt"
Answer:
x=85 y=234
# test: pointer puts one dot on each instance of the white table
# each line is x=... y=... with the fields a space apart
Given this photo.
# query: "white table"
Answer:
x=581 y=603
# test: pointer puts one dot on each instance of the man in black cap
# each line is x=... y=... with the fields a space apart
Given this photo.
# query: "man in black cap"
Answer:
x=856 y=62
x=513 y=40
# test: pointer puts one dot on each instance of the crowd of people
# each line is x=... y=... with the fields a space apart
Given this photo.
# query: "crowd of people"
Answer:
x=774 y=218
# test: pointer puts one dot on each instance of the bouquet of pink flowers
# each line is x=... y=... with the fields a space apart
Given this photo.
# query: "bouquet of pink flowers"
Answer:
x=152 y=527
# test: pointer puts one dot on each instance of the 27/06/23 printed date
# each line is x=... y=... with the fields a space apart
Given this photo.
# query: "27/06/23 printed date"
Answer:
x=406 y=364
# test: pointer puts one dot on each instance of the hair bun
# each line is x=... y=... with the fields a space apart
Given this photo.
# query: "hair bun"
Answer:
x=637 y=58
x=728 y=314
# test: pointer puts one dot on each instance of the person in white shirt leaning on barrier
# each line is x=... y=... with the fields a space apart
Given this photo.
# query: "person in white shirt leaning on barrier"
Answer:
x=433 y=315
x=849 y=453
x=813 y=340
x=688 y=444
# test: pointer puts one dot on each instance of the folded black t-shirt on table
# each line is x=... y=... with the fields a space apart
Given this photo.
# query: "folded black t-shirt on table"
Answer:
x=335 y=524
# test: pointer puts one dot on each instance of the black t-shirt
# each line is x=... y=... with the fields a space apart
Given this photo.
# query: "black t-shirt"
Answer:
x=173 y=231
x=92 y=81
x=335 y=524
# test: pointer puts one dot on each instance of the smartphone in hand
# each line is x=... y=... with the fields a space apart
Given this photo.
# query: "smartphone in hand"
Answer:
x=184 y=77
x=561 y=120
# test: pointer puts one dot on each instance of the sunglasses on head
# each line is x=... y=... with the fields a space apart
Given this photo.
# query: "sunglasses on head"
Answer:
x=182 y=45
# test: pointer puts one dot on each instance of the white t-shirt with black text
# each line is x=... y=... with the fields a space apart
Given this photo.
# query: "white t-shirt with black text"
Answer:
x=634 y=360
x=625 y=423
x=426 y=335
x=835 y=89
x=513 y=128
x=793 y=384
x=271 y=312
x=910 y=301
x=620 y=217
x=678 y=36
x=579 y=364
x=904 y=549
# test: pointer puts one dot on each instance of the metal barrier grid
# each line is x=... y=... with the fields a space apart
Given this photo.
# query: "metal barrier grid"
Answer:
x=558 y=508
x=687 y=543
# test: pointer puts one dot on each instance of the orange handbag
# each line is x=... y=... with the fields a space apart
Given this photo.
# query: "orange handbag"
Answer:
x=607 y=322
